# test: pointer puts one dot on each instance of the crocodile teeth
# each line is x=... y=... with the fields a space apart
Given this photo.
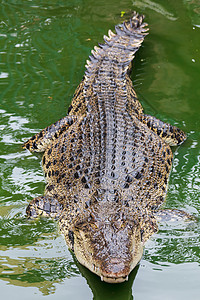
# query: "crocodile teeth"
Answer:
x=101 y=277
x=126 y=278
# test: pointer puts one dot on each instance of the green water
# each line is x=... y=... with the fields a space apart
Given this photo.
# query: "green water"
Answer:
x=43 y=49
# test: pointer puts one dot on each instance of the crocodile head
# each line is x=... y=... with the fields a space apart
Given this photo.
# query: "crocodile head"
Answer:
x=110 y=245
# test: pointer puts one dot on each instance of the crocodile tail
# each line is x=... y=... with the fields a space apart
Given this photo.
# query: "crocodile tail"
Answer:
x=118 y=49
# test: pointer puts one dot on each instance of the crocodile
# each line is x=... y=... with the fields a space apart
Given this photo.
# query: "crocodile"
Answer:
x=106 y=163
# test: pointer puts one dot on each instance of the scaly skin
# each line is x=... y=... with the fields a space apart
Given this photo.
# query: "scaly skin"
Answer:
x=107 y=163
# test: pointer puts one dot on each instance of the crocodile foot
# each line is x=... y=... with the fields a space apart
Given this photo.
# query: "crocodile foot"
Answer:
x=45 y=207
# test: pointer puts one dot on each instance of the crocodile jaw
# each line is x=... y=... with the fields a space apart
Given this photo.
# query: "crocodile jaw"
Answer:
x=113 y=268
x=112 y=277
x=118 y=271
x=116 y=277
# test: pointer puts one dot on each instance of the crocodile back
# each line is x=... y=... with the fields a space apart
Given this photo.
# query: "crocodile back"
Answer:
x=109 y=154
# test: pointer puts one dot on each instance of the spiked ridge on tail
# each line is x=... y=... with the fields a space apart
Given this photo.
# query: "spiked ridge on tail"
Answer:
x=119 y=47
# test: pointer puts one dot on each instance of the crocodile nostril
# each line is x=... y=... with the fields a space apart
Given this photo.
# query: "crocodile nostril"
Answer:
x=114 y=268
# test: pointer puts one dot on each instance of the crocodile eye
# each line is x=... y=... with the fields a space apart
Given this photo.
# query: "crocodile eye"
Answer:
x=71 y=238
x=81 y=225
x=141 y=233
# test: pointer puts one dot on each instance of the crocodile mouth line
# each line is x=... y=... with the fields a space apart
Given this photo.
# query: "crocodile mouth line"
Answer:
x=114 y=279
x=109 y=279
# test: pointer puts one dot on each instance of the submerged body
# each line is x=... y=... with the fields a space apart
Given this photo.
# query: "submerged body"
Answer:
x=106 y=163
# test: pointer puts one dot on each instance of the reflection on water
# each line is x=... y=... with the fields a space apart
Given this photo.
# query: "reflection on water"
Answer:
x=43 y=50
x=42 y=265
x=102 y=290
x=156 y=7
x=185 y=180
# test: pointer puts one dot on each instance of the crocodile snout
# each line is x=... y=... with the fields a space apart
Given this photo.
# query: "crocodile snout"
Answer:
x=114 y=270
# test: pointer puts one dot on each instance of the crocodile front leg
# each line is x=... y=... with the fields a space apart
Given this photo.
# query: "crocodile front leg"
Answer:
x=172 y=135
x=44 y=206
x=40 y=141
x=173 y=215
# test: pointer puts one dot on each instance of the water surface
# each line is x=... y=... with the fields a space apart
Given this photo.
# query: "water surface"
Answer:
x=43 y=49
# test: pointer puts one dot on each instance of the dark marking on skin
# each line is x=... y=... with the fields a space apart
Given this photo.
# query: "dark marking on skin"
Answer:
x=71 y=238
x=159 y=131
x=63 y=149
x=48 y=164
x=70 y=108
x=35 y=145
x=138 y=175
x=128 y=179
x=49 y=151
x=56 y=173
x=125 y=186
x=159 y=174
x=83 y=179
x=50 y=187
x=164 y=134
x=76 y=175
